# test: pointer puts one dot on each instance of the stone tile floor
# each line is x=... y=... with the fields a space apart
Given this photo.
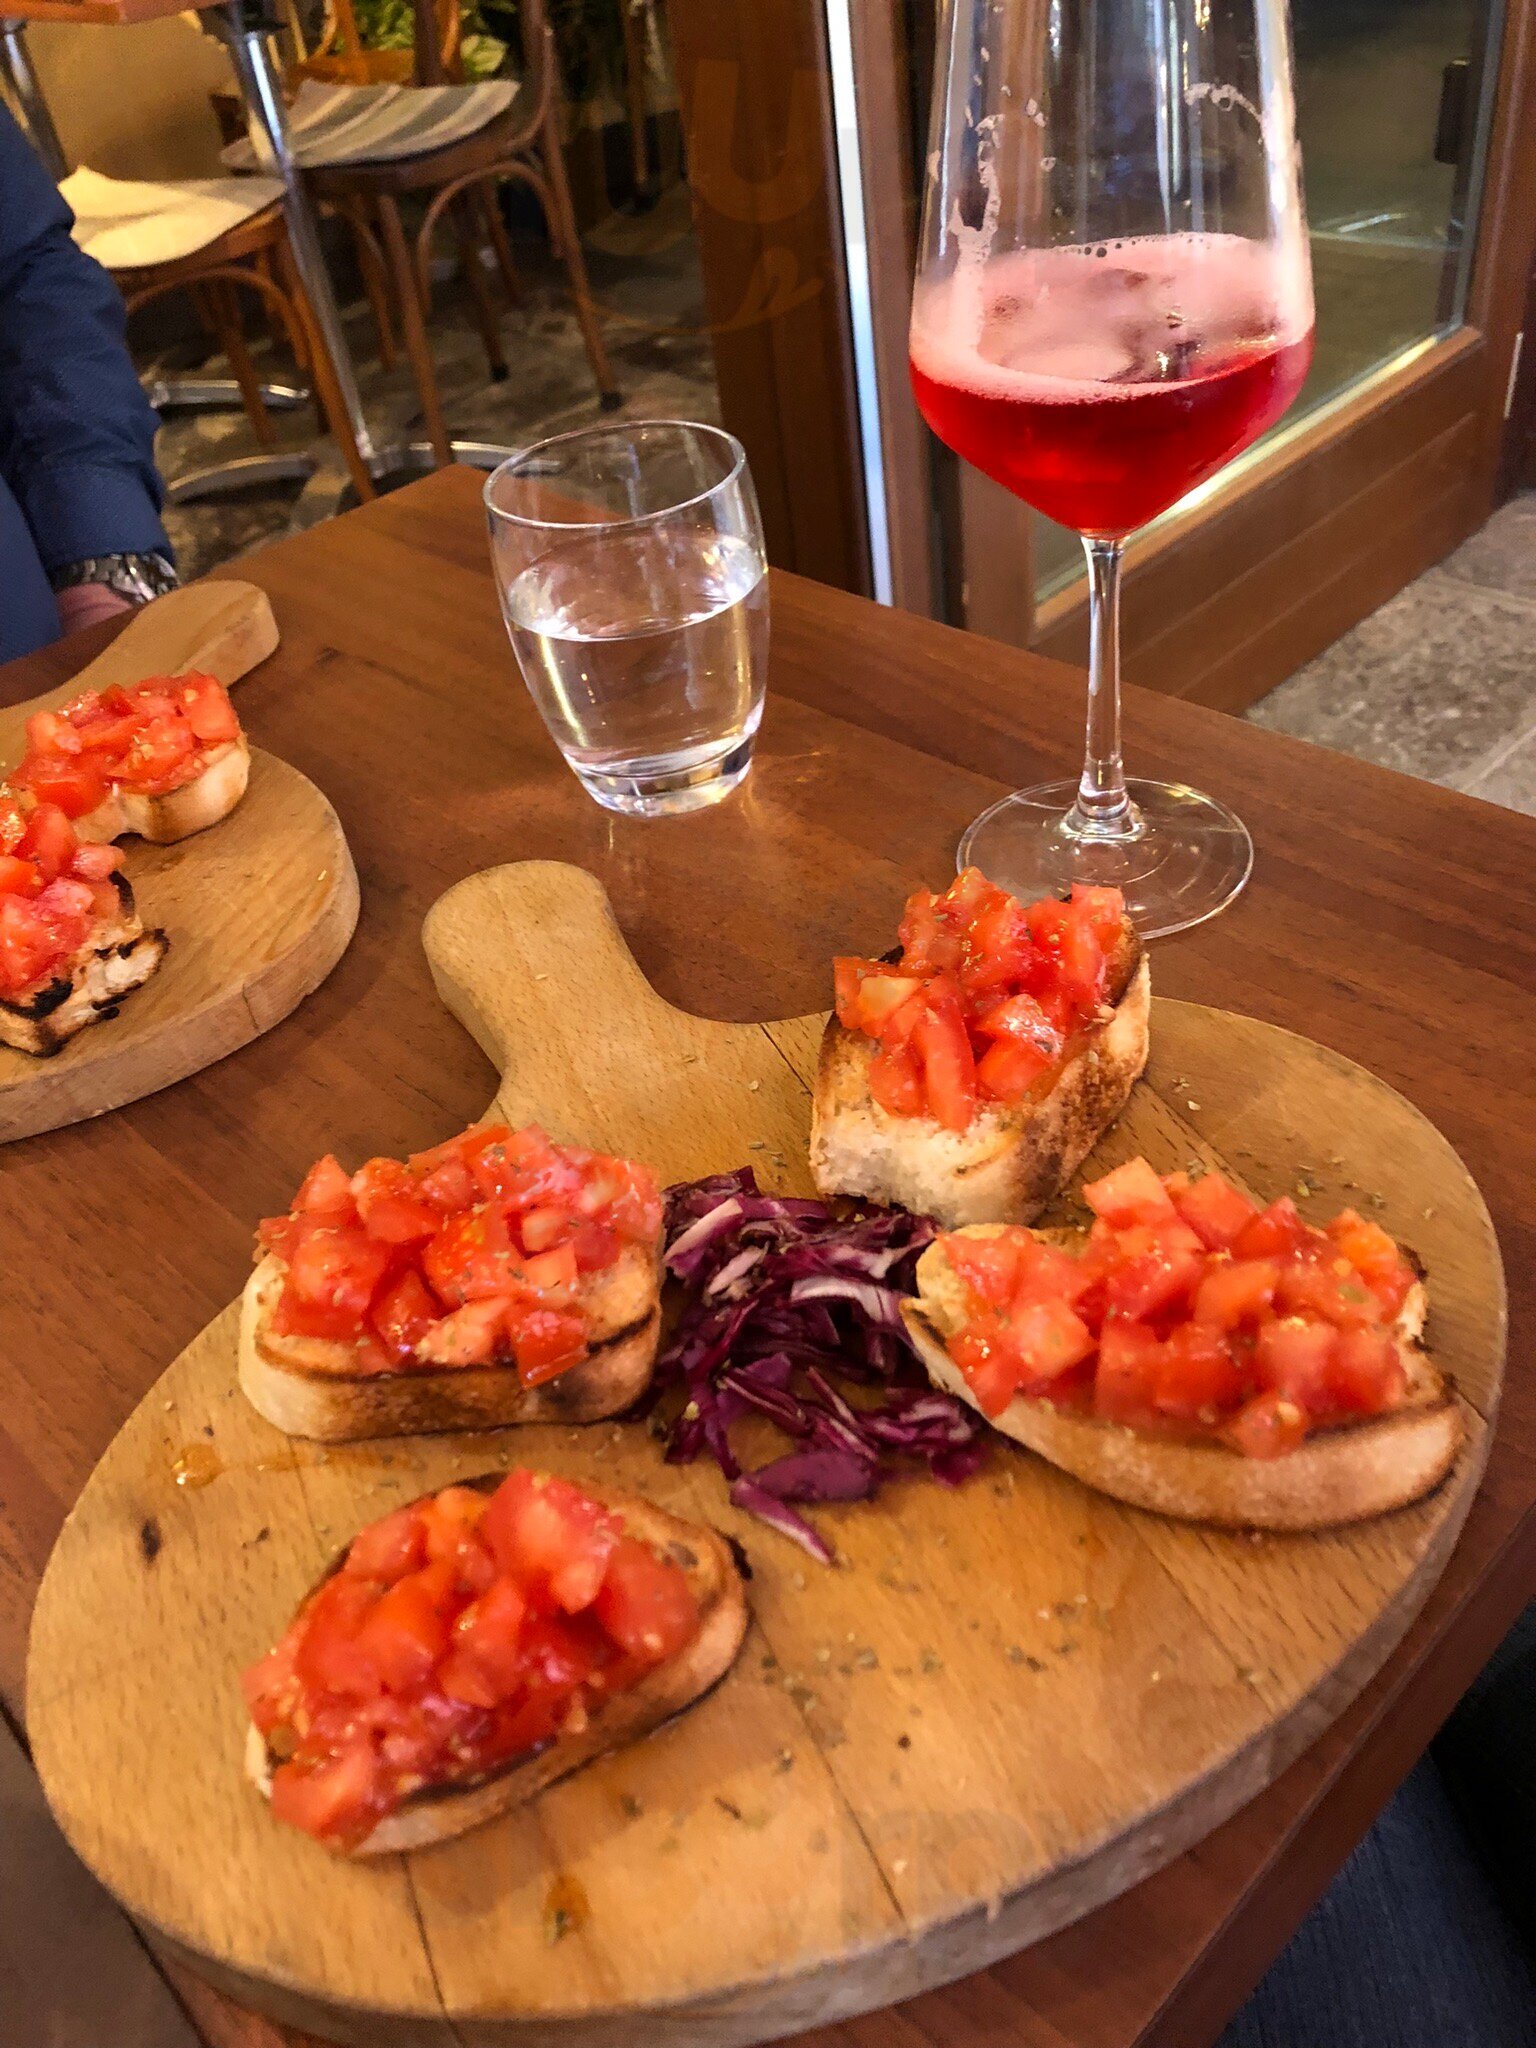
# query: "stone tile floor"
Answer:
x=1441 y=681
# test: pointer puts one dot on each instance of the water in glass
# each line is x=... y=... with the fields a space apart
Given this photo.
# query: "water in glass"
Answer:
x=644 y=652
x=629 y=561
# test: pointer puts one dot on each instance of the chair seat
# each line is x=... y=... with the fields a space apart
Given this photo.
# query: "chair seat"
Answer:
x=334 y=125
x=129 y=225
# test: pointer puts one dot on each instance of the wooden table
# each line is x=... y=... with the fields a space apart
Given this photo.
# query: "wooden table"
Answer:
x=1388 y=918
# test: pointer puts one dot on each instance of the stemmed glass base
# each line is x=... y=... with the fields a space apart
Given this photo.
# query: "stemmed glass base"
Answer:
x=1185 y=857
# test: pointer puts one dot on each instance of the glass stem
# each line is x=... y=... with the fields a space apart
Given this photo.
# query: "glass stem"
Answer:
x=1103 y=810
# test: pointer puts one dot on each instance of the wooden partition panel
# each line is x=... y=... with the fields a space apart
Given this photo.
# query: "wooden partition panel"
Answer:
x=754 y=85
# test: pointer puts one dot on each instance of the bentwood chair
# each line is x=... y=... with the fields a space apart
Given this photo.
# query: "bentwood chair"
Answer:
x=214 y=238
x=365 y=147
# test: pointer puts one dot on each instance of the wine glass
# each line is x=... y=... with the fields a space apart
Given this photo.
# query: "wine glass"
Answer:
x=1113 y=297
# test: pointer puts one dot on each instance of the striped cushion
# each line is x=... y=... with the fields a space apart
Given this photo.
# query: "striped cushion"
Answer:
x=331 y=125
x=127 y=224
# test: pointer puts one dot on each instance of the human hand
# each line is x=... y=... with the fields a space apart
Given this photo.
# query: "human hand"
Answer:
x=87 y=604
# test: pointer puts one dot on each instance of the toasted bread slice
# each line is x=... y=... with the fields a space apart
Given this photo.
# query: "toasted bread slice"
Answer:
x=1342 y=1474
x=432 y=1816
x=211 y=795
x=119 y=957
x=1011 y=1159
x=310 y=1386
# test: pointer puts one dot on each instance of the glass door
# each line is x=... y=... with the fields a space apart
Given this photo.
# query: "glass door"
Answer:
x=1421 y=248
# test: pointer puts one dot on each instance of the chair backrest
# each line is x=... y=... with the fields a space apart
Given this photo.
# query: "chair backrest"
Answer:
x=437 y=54
x=340 y=57
x=435 y=58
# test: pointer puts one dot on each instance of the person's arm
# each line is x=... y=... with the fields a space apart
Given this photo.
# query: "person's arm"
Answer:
x=76 y=431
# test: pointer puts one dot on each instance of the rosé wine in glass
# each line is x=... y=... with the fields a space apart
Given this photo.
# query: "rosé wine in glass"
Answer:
x=1101 y=383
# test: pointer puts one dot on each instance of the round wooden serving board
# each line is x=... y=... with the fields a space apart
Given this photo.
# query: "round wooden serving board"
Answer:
x=258 y=909
x=1005 y=1705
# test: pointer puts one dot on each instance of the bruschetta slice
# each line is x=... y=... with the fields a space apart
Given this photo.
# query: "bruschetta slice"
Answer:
x=970 y=1077
x=72 y=944
x=162 y=760
x=496 y=1279
x=1195 y=1356
x=477 y=1645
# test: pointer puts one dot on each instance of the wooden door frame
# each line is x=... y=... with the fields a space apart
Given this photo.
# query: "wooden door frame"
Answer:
x=1364 y=494
x=754 y=87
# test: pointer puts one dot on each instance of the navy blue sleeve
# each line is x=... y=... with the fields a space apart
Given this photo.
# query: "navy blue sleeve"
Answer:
x=76 y=431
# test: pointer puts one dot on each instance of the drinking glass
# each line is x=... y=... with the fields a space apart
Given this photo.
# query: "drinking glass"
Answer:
x=1113 y=297
x=630 y=567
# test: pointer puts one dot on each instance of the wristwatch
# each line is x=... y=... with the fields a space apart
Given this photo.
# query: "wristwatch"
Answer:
x=136 y=577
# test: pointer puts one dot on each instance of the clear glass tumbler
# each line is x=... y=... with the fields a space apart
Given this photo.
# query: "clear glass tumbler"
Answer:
x=630 y=567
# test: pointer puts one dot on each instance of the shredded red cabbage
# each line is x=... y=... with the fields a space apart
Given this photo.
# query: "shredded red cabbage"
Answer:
x=780 y=1295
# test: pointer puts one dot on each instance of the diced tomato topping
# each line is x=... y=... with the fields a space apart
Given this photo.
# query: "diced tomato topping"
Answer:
x=553 y=1275
x=986 y=1362
x=18 y=877
x=1022 y=1018
x=1214 y=1209
x=1009 y=1068
x=1163 y=1327
x=389 y=1549
x=150 y=739
x=1268 y=1426
x=337 y=1266
x=1374 y=1257
x=459 y=1635
x=73 y=786
x=95 y=863
x=325 y=1194
x=645 y=1603
x=474 y=1334
x=337 y=1800
x=1158 y=1266
x=1278 y=1230
x=1366 y=1375
x=390 y=1203
x=1129 y=1370
x=988 y=1265
x=1332 y=1289
x=1048 y=1339
x=1234 y=1292
x=1104 y=910
x=474 y=1253
x=949 y=1066
x=1291 y=1356
x=545 y=1342
x=896 y=1081
x=404 y=1312
x=551 y=1537
x=985 y=999
x=206 y=707
x=1131 y=1194
x=404 y=1634
x=48 y=841
x=1197 y=1376
x=293 y=1316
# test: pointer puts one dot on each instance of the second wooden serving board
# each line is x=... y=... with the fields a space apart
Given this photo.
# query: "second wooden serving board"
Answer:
x=258 y=909
x=1006 y=1704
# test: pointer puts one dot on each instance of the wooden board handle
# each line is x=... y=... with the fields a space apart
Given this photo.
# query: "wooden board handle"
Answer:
x=516 y=947
x=223 y=629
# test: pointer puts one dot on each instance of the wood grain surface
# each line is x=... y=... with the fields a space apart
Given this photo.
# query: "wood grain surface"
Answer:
x=258 y=909
x=1009 y=1702
x=1387 y=918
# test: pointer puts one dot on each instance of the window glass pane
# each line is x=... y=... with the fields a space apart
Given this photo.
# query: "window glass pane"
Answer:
x=1389 y=107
